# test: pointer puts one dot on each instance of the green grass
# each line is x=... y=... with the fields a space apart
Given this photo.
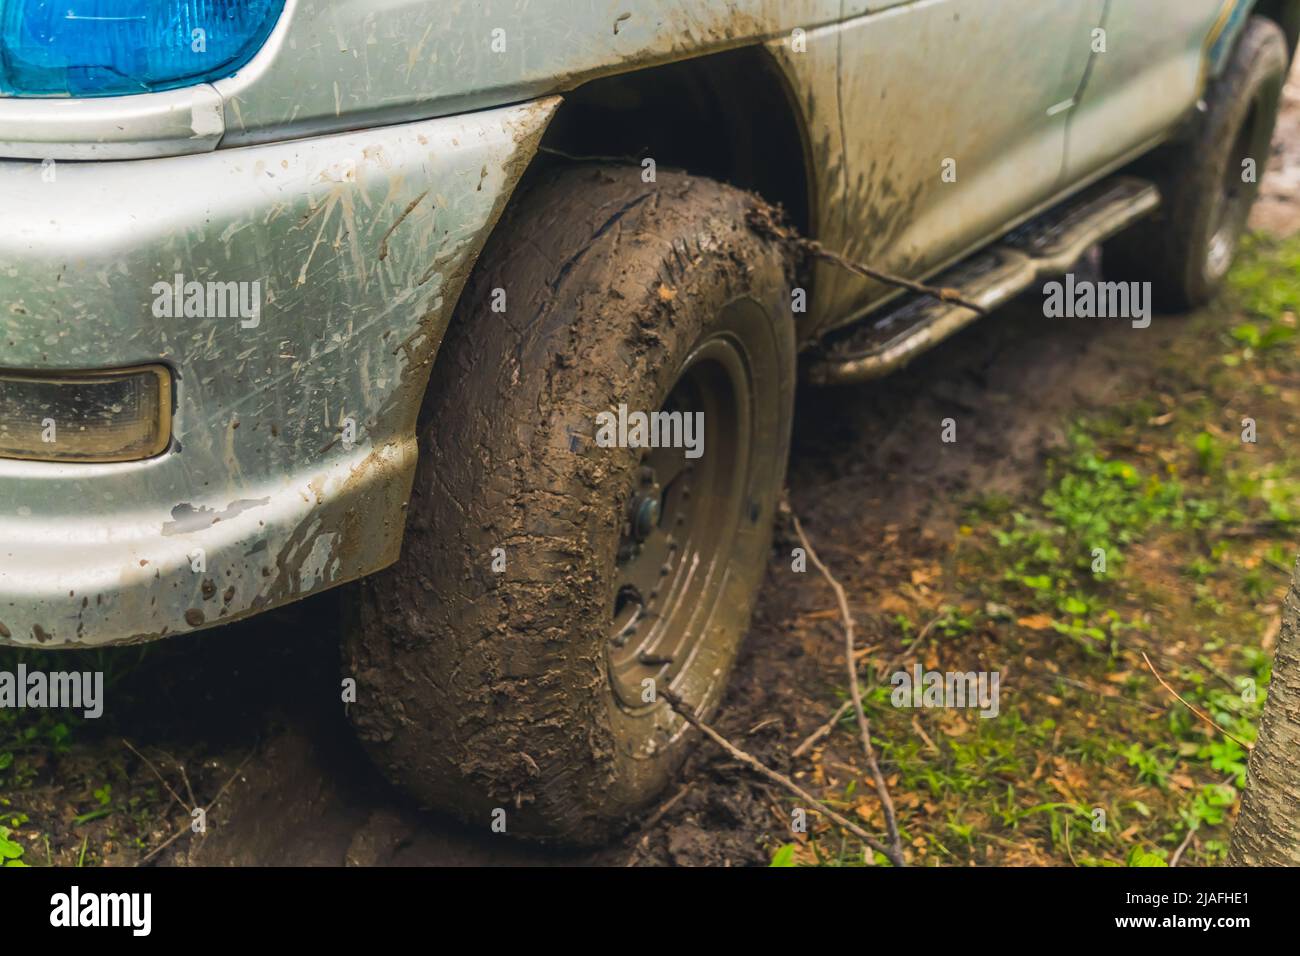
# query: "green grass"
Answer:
x=33 y=742
x=1156 y=530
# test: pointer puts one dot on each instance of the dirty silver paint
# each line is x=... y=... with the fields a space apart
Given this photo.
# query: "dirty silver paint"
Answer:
x=360 y=242
x=1015 y=94
x=189 y=120
x=333 y=65
x=355 y=168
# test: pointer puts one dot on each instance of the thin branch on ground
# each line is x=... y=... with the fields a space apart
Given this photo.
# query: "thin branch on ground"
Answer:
x=823 y=730
x=753 y=763
x=855 y=692
x=184 y=827
x=185 y=779
x=655 y=817
x=766 y=722
x=907 y=657
x=920 y=732
x=1255 y=529
x=189 y=807
x=763 y=219
x=930 y=626
x=1199 y=713
x=164 y=844
x=1050 y=681
x=1182 y=847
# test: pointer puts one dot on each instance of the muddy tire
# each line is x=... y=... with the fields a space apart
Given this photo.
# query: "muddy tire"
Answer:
x=550 y=582
x=1186 y=248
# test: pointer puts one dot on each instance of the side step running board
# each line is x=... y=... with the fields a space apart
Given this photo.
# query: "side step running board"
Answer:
x=1046 y=245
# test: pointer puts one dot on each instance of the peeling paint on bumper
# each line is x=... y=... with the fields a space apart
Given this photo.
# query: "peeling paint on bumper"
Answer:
x=360 y=243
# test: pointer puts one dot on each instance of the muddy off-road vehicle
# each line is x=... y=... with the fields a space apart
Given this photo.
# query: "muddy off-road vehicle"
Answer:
x=494 y=312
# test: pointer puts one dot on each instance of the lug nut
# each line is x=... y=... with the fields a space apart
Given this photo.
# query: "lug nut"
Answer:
x=647 y=518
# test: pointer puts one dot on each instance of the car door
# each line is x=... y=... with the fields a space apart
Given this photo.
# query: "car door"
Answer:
x=1147 y=77
x=954 y=115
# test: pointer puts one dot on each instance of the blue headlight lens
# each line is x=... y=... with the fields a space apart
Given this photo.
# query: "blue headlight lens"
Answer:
x=118 y=47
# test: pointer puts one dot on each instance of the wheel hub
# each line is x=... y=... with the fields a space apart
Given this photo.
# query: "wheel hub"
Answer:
x=679 y=521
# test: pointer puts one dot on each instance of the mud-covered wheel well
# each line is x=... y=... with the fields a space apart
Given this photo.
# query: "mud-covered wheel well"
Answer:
x=729 y=116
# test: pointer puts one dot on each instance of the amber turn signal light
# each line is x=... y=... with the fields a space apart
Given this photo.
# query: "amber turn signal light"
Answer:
x=85 y=416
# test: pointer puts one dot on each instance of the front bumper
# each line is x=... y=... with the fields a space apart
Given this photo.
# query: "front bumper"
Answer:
x=360 y=243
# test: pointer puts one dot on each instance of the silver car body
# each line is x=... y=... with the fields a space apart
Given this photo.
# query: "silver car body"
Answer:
x=355 y=169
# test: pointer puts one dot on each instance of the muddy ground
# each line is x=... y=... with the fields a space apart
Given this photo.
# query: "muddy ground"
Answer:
x=243 y=719
x=263 y=691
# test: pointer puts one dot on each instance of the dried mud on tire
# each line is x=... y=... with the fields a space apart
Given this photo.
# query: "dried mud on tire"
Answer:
x=482 y=690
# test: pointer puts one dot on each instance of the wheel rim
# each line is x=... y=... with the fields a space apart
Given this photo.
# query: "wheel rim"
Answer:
x=678 y=528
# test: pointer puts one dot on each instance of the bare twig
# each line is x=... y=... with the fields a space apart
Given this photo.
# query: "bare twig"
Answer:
x=823 y=730
x=1182 y=847
x=1255 y=529
x=655 y=817
x=753 y=763
x=855 y=692
x=1050 y=681
x=1069 y=852
x=163 y=845
x=185 y=778
x=925 y=631
x=763 y=220
x=761 y=724
x=189 y=807
x=186 y=825
x=667 y=805
x=920 y=732
x=1204 y=716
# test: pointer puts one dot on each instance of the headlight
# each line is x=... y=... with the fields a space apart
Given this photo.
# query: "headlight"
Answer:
x=117 y=47
x=110 y=415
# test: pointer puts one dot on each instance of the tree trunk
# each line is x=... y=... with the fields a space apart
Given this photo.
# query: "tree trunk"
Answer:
x=1268 y=831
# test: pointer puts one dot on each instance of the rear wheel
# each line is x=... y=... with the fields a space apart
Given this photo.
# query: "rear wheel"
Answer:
x=553 y=580
x=1210 y=182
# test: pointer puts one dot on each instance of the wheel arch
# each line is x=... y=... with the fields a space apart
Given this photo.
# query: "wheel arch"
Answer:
x=731 y=116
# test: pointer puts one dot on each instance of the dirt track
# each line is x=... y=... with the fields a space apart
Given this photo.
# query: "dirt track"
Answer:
x=253 y=704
